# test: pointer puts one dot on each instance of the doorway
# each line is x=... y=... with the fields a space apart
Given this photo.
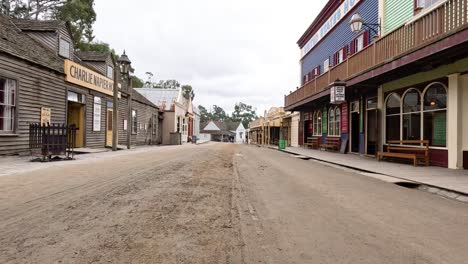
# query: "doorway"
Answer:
x=355 y=127
x=109 y=135
x=372 y=126
x=76 y=117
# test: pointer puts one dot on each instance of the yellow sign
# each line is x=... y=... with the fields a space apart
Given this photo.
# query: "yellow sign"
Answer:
x=45 y=115
x=82 y=76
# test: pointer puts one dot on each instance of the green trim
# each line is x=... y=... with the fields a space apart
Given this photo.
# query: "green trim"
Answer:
x=443 y=71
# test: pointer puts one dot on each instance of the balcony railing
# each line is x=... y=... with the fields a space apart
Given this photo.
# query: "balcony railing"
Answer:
x=449 y=17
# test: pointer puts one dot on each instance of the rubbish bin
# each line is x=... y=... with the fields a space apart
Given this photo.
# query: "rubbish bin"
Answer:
x=194 y=139
x=282 y=144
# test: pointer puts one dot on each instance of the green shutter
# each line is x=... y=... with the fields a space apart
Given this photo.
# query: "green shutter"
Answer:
x=396 y=13
x=324 y=121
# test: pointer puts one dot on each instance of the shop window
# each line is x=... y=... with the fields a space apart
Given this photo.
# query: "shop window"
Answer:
x=412 y=115
x=338 y=121
x=97 y=113
x=317 y=120
x=8 y=93
x=435 y=115
x=64 y=48
x=334 y=116
x=392 y=121
x=426 y=117
x=134 y=122
x=110 y=72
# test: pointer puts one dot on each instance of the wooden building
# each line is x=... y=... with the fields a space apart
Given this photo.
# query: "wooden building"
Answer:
x=405 y=83
x=43 y=79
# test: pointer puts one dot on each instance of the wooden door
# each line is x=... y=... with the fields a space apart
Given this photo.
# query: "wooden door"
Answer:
x=109 y=127
x=76 y=117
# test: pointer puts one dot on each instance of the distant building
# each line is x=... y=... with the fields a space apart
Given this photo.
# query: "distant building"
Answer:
x=224 y=132
x=178 y=112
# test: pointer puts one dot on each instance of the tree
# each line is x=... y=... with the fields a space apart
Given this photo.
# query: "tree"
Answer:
x=244 y=113
x=188 y=92
x=218 y=114
x=205 y=116
x=137 y=82
x=80 y=13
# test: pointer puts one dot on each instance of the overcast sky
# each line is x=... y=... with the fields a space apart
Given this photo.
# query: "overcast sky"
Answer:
x=229 y=51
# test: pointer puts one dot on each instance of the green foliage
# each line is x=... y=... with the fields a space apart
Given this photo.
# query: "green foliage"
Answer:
x=242 y=113
x=137 y=82
x=81 y=15
x=188 y=92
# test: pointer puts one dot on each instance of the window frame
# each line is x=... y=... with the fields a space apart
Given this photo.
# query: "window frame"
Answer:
x=110 y=76
x=334 y=125
x=421 y=112
x=134 y=121
x=326 y=65
x=317 y=123
x=95 y=104
x=62 y=40
x=14 y=131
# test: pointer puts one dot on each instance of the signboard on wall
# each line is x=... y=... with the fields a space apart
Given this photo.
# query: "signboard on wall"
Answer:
x=45 y=115
x=328 y=25
x=82 y=76
x=344 y=118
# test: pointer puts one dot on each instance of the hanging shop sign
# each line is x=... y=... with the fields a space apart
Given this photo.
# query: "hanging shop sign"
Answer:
x=82 y=76
x=332 y=21
x=337 y=94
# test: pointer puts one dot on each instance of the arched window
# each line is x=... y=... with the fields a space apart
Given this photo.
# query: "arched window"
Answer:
x=338 y=121
x=317 y=123
x=334 y=118
x=412 y=115
x=392 y=120
x=435 y=114
x=331 y=122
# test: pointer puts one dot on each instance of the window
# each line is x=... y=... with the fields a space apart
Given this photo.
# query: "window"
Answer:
x=184 y=126
x=393 y=110
x=134 y=122
x=317 y=123
x=97 y=114
x=110 y=72
x=340 y=55
x=334 y=116
x=64 y=48
x=8 y=92
x=178 y=124
x=360 y=42
x=435 y=115
x=418 y=117
x=326 y=65
x=412 y=115
x=424 y=3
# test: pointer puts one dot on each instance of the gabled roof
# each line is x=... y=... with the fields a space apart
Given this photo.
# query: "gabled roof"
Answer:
x=38 y=25
x=20 y=45
x=163 y=98
x=140 y=98
x=93 y=55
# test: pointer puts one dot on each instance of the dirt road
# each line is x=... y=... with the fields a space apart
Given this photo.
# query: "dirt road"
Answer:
x=221 y=203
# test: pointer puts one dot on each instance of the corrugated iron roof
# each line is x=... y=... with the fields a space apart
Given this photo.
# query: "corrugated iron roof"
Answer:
x=163 y=98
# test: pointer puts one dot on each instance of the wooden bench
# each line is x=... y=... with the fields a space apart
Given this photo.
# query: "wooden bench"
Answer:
x=331 y=143
x=414 y=150
x=312 y=142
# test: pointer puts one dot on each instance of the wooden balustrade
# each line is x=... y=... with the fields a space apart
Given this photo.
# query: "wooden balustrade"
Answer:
x=448 y=17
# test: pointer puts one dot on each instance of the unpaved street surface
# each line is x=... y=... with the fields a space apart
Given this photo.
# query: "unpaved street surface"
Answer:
x=221 y=203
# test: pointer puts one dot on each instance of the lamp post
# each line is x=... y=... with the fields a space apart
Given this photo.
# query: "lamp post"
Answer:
x=357 y=22
x=124 y=66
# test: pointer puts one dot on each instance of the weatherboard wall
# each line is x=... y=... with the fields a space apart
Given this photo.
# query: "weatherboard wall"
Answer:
x=396 y=13
x=339 y=37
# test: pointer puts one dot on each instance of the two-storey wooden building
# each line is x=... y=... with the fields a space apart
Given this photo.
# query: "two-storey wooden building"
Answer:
x=408 y=83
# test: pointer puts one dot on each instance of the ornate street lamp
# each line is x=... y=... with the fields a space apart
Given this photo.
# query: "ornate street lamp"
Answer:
x=125 y=69
x=357 y=22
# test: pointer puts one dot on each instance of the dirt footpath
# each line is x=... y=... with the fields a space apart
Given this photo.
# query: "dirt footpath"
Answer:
x=170 y=206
